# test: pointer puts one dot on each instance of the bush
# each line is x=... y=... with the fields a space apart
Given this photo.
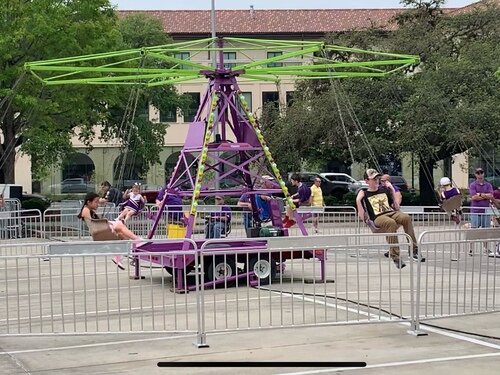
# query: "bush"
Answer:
x=35 y=204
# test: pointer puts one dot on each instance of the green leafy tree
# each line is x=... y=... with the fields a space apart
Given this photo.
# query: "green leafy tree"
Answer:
x=449 y=104
x=125 y=116
x=38 y=120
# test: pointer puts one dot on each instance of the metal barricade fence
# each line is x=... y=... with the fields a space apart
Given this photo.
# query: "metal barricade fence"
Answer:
x=24 y=224
x=84 y=292
x=367 y=286
x=460 y=277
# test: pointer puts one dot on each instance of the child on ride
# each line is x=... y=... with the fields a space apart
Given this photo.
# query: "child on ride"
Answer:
x=135 y=202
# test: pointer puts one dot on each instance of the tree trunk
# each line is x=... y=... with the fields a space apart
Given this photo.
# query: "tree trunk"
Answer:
x=426 y=182
x=7 y=150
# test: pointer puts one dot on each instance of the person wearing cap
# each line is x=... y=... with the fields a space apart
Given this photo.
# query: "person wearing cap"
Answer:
x=385 y=180
x=377 y=204
x=481 y=193
x=218 y=223
x=447 y=191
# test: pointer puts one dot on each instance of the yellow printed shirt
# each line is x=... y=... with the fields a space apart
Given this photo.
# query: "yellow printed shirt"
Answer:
x=378 y=202
x=316 y=196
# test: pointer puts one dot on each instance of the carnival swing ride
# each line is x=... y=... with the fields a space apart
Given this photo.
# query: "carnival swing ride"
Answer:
x=225 y=140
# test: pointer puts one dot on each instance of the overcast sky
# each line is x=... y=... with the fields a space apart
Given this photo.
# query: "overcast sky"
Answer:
x=267 y=4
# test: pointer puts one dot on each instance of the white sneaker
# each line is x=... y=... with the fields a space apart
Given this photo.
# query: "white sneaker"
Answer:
x=118 y=260
x=493 y=254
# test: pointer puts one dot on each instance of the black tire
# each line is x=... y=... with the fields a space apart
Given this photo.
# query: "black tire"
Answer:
x=263 y=266
x=219 y=268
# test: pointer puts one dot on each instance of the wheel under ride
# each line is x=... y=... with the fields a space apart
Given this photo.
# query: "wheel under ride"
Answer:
x=264 y=268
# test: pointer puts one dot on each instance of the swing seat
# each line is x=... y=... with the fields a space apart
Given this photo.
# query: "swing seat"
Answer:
x=453 y=203
x=372 y=226
x=101 y=231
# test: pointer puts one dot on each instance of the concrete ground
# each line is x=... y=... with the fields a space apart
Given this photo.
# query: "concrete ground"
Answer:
x=78 y=295
x=385 y=348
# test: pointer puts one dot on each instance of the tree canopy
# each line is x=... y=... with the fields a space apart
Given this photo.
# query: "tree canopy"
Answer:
x=40 y=121
x=448 y=104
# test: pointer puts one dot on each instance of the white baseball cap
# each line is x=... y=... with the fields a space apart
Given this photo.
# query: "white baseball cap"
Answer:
x=445 y=181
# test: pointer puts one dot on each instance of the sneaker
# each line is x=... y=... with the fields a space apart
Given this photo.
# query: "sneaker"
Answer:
x=118 y=260
x=288 y=224
x=386 y=254
x=494 y=254
x=399 y=263
x=471 y=253
x=456 y=219
x=415 y=256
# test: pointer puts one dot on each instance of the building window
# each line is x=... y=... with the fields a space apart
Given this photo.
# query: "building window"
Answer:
x=168 y=116
x=183 y=56
x=270 y=97
x=274 y=64
x=248 y=99
x=190 y=113
x=229 y=60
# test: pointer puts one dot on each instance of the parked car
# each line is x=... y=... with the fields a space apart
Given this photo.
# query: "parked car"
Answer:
x=400 y=182
x=344 y=179
x=328 y=187
x=76 y=185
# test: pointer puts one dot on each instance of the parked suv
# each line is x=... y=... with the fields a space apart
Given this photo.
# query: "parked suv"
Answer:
x=344 y=179
x=328 y=187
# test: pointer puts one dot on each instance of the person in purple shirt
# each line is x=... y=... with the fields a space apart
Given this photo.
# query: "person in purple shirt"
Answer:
x=173 y=203
x=481 y=193
x=448 y=191
x=218 y=223
x=301 y=198
x=385 y=180
x=246 y=204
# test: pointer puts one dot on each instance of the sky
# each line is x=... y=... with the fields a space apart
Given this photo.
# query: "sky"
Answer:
x=267 y=4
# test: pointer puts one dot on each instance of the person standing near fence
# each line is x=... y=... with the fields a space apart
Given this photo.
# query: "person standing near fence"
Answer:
x=481 y=193
x=316 y=201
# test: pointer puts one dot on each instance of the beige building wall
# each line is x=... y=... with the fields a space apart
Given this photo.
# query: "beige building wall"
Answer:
x=22 y=170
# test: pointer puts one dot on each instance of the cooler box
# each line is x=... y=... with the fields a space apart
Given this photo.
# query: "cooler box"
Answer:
x=271 y=232
x=176 y=231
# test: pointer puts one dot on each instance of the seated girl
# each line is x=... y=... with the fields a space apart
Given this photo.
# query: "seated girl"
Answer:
x=447 y=191
x=134 y=203
x=87 y=214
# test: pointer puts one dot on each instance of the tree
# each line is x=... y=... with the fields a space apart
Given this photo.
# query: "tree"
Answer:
x=140 y=137
x=449 y=104
x=40 y=121
x=456 y=99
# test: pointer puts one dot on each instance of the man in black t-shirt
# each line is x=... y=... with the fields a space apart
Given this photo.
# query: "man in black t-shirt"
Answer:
x=377 y=204
x=110 y=194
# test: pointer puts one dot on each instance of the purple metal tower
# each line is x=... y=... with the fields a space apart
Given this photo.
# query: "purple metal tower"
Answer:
x=225 y=144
